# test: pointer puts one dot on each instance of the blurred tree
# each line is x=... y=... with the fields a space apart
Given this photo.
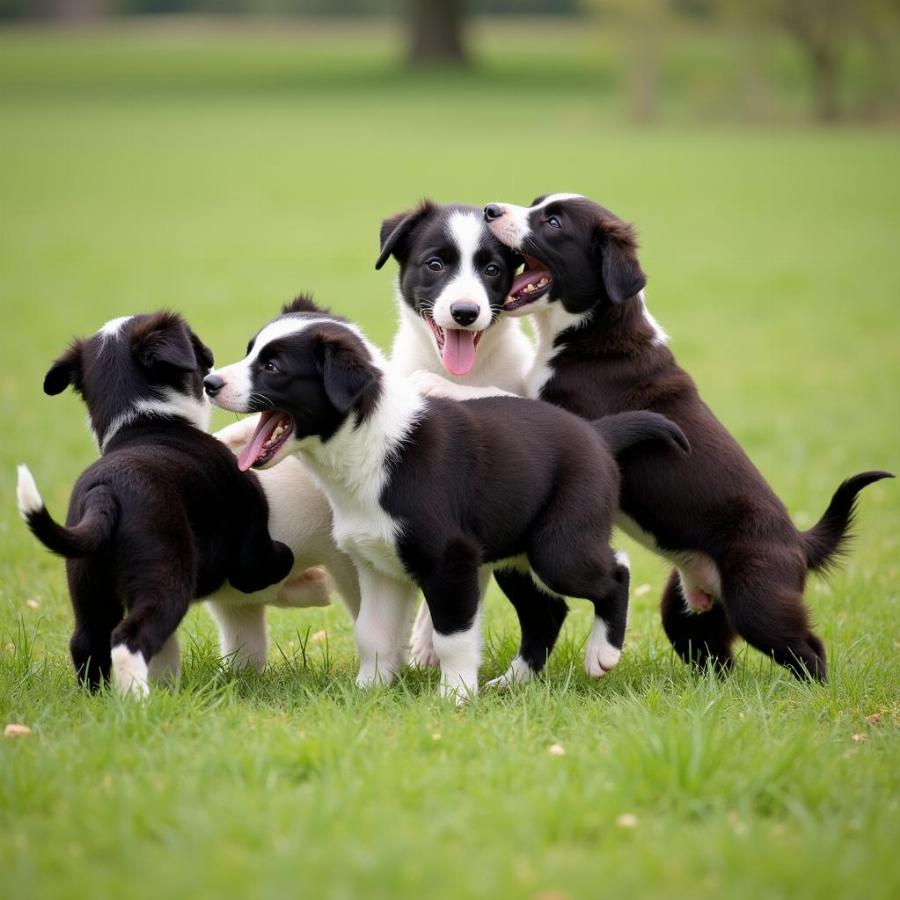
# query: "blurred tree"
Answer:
x=436 y=32
x=645 y=23
x=823 y=30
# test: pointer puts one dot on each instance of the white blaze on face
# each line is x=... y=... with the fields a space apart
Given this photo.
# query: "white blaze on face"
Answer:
x=515 y=225
x=235 y=393
x=466 y=230
x=113 y=327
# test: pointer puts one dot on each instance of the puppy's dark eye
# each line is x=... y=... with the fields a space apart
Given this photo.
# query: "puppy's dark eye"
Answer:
x=553 y=222
x=271 y=366
x=435 y=264
x=492 y=270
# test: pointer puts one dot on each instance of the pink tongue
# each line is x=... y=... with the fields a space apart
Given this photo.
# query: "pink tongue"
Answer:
x=459 y=351
x=268 y=422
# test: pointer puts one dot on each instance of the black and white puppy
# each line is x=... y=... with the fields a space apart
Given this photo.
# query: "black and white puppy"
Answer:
x=164 y=516
x=435 y=493
x=453 y=278
x=740 y=563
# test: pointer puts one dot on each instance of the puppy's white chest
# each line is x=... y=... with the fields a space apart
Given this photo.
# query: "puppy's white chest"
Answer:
x=369 y=535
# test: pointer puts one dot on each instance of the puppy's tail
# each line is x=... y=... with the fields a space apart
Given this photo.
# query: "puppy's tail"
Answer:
x=827 y=540
x=83 y=539
x=626 y=429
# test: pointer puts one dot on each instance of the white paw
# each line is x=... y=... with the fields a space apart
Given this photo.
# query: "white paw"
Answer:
x=428 y=384
x=130 y=670
x=622 y=559
x=458 y=691
x=519 y=672
x=600 y=656
x=371 y=676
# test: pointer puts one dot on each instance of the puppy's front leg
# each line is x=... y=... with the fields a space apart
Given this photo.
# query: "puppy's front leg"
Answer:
x=430 y=385
x=382 y=626
x=454 y=601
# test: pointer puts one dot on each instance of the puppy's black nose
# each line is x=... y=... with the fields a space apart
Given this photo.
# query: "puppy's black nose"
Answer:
x=492 y=211
x=213 y=384
x=464 y=312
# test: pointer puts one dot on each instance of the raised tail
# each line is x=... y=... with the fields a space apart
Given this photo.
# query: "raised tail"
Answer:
x=626 y=429
x=827 y=539
x=83 y=539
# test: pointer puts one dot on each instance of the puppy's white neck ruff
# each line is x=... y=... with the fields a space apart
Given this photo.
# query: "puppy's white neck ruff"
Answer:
x=353 y=464
x=173 y=405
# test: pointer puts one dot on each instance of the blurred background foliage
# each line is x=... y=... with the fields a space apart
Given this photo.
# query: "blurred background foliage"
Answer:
x=844 y=51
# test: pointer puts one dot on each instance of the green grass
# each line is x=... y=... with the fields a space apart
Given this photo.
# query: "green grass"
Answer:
x=220 y=175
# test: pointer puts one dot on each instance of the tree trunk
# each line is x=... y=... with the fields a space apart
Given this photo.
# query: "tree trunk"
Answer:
x=75 y=12
x=825 y=84
x=435 y=29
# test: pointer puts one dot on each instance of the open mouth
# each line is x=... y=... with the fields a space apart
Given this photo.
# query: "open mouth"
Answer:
x=456 y=346
x=532 y=283
x=272 y=433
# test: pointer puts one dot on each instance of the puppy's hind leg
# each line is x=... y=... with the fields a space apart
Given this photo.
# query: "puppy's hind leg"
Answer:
x=541 y=616
x=97 y=613
x=604 y=646
x=601 y=577
x=242 y=634
x=697 y=637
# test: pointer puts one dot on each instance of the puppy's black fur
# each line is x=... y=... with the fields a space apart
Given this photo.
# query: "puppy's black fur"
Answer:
x=164 y=516
x=714 y=501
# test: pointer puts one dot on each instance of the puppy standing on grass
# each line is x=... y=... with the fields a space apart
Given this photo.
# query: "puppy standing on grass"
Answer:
x=740 y=563
x=438 y=493
x=453 y=278
x=164 y=516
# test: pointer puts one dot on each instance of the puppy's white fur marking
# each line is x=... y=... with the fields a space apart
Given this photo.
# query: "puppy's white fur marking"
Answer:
x=113 y=327
x=460 y=657
x=173 y=403
x=660 y=336
x=27 y=494
x=165 y=667
x=466 y=230
x=519 y=672
x=600 y=655
x=130 y=670
x=549 y=322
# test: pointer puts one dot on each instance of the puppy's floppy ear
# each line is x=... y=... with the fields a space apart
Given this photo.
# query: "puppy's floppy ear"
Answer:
x=65 y=371
x=396 y=231
x=347 y=372
x=164 y=340
x=621 y=272
x=203 y=353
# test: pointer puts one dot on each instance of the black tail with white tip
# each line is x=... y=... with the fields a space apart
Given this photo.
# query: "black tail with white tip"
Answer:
x=626 y=429
x=83 y=539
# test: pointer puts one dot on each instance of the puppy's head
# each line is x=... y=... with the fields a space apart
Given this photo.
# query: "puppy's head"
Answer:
x=307 y=371
x=149 y=364
x=576 y=252
x=453 y=274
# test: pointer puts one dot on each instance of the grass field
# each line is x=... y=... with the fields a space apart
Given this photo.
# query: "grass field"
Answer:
x=220 y=175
